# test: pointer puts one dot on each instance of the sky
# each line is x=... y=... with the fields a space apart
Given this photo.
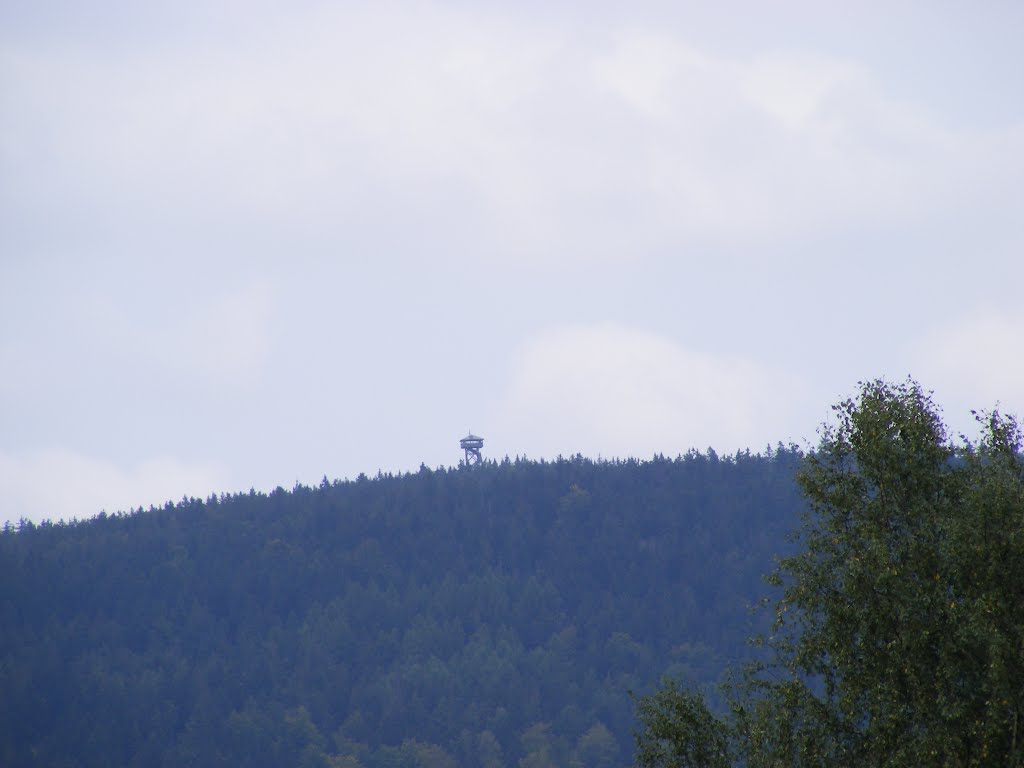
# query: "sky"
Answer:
x=249 y=245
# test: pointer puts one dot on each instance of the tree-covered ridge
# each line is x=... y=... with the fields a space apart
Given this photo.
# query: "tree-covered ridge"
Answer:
x=490 y=616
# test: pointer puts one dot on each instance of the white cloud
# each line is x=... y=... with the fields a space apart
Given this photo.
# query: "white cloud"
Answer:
x=796 y=89
x=655 y=74
x=615 y=391
x=225 y=340
x=975 y=363
x=618 y=144
x=61 y=484
x=778 y=147
x=215 y=339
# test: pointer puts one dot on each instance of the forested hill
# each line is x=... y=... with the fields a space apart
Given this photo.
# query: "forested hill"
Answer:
x=488 y=616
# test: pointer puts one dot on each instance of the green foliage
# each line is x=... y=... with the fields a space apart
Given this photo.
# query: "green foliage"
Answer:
x=898 y=639
x=678 y=731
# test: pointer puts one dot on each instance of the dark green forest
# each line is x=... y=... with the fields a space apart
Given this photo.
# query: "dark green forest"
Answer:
x=485 y=616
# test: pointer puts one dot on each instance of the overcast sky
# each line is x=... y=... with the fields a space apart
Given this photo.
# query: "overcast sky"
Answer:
x=244 y=244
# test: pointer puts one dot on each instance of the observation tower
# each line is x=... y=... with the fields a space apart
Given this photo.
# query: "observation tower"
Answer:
x=472 y=444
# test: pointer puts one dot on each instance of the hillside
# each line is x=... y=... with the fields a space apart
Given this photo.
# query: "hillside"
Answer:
x=488 y=616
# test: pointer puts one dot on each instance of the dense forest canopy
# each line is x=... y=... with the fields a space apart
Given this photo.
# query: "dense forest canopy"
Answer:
x=495 y=615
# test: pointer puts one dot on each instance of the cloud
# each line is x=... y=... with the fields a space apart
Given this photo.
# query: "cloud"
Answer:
x=975 y=363
x=777 y=147
x=58 y=485
x=625 y=142
x=616 y=391
x=224 y=340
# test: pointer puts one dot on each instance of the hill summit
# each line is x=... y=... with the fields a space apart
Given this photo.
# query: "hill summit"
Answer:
x=492 y=615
